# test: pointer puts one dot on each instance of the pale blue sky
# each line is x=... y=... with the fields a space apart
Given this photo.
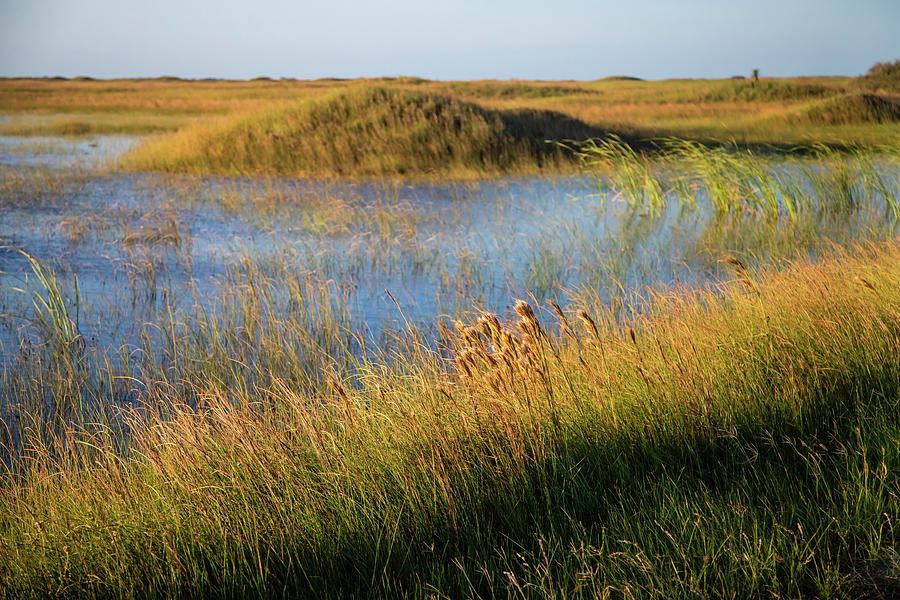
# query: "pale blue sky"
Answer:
x=462 y=39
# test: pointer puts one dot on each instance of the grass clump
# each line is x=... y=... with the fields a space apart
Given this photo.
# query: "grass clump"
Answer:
x=52 y=318
x=370 y=131
x=764 y=91
x=852 y=109
x=883 y=76
x=497 y=90
x=735 y=180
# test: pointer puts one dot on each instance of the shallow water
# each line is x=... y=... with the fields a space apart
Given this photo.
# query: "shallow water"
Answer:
x=139 y=248
x=58 y=152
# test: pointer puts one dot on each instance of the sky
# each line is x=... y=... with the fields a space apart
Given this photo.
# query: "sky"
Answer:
x=450 y=39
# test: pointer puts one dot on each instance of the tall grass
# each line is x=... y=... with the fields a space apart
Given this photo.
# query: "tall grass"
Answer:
x=51 y=315
x=717 y=442
x=40 y=187
x=632 y=174
x=852 y=109
x=735 y=180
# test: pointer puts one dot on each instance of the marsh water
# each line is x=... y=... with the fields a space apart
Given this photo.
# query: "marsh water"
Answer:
x=131 y=250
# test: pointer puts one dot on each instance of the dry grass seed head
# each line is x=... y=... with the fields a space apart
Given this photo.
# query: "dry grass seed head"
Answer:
x=462 y=362
x=559 y=312
x=589 y=323
x=733 y=262
x=864 y=282
x=524 y=310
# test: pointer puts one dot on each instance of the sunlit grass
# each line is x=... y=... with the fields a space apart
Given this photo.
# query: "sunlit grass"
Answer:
x=776 y=111
x=253 y=435
x=370 y=132
x=711 y=443
x=735 y=180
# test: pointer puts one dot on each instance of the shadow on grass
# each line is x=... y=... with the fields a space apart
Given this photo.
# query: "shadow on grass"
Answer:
x=778 y=503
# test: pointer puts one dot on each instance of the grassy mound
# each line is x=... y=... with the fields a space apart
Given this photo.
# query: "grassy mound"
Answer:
x=370 y=131
x=852 y=109
x=883 y=76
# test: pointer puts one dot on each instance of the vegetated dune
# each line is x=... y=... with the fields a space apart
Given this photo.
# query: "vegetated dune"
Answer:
x=371 y=132
x=852 y=109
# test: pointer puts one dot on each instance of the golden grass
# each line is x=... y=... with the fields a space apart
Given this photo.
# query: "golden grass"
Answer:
x=371 y=131
x=780 y=112
x=688 y=418
x=853 y=109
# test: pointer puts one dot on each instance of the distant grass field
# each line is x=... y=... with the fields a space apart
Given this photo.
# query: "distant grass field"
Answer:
x=837 y=111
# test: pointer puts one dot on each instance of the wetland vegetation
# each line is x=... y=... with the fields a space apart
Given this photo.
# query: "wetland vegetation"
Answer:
x=380 y=338
x=770 y=111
